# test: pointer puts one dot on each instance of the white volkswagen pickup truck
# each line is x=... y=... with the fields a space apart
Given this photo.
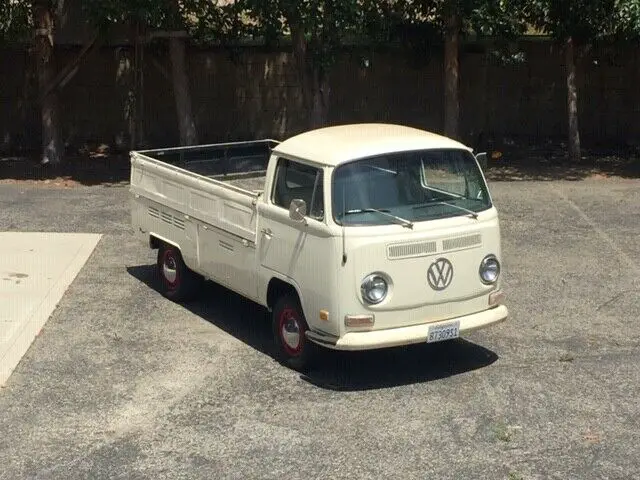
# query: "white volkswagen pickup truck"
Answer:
x=354 y=237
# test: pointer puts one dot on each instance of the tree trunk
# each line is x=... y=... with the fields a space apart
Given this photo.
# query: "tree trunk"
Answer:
x=182 y=93
x=320 y=99
x=452 y=76
x=299 y=45
x=44 y=18
x=313 y=82
x=572 y=102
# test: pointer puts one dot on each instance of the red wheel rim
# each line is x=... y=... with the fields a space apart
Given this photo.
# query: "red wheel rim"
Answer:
x=291 y=331
x=170 y=273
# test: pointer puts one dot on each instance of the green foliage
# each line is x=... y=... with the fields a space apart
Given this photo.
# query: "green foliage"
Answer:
x=421 y=25
x=493 y=18
x=482 y=17
x=204 y=20
x=628 y=18
x=325 y=24
x=585 y=21
x=210 y=23
x=16 y=21
x=151 y=13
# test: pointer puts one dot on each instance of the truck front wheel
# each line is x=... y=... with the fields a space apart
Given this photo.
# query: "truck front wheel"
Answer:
x=289 y=327
x=177 y=281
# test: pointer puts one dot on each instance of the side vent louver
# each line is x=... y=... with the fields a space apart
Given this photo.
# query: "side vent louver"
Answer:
x=407 y=250
x=178 y=223
x=166 y=217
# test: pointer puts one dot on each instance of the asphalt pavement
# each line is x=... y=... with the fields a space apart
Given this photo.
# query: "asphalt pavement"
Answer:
x=122 y=383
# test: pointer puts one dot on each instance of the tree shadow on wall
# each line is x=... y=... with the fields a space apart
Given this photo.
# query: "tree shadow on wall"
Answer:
x=550 y=162
x=343 y=371
x=91 y=169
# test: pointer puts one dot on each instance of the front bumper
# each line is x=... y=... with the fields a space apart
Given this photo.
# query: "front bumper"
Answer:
x=393 y=337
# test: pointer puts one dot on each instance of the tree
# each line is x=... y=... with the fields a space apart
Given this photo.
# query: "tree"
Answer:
x=317 y=29
x=44 y=15
x=451 y=20
x=208 y=22
x=162 y=19
x=168 y=19
x=577 y=25
x=16 y=28
x=17 y=19
x=181 y=89
x=452 y=13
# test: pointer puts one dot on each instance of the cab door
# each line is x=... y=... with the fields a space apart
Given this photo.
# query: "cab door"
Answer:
x=288 y=249
x=283 y=240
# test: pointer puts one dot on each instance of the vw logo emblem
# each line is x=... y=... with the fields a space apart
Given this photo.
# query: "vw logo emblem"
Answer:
x=440 y=274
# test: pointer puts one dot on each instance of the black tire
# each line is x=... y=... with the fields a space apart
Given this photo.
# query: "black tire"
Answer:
x=295 y=351
x=177 y=281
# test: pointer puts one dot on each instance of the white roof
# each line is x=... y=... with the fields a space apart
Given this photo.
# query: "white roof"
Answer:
x=338 y=144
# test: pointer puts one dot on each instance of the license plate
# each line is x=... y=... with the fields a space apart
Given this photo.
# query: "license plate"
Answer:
x=444 y=331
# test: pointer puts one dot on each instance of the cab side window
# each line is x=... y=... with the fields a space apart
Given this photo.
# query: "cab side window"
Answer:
x=298 y=181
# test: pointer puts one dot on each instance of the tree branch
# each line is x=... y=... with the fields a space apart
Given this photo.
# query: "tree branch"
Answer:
x=64 y=76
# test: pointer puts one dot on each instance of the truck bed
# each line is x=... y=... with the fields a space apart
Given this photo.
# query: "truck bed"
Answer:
x=251 y=183
x=240 y=164
x=216 y=185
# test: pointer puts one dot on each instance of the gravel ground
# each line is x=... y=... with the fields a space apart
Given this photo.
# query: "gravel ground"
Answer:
x=122 y=383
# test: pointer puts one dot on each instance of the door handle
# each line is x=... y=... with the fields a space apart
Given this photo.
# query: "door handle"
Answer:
x=267 y=232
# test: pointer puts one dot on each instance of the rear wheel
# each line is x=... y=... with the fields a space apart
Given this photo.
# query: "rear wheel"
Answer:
x=289 y=327
x=177 y=281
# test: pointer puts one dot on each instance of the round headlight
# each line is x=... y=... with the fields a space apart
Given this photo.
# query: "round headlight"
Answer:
x=374 y=288
x=489 y=269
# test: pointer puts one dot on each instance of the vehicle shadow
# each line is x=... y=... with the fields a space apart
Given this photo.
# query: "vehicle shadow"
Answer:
x=393 y=367
x=342 y=371
x=234 y=314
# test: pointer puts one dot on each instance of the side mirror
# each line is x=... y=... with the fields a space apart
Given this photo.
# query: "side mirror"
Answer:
x=482 y=159
x=297 y=210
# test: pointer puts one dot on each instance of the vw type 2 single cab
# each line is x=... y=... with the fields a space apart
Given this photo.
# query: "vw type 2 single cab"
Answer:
x=354 y=237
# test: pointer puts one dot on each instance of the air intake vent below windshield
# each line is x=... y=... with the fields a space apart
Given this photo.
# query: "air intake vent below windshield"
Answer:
x=408 y=250
x=461 y=242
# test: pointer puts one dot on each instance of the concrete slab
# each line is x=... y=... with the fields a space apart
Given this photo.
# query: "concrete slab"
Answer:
x=35 y=271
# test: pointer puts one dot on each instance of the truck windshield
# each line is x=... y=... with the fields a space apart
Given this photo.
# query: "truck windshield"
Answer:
x=408 y=187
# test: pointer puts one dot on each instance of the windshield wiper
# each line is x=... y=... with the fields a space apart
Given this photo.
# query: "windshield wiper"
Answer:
x=457 y=196
x=451 y=194
x=466 y=210
x=401 y=221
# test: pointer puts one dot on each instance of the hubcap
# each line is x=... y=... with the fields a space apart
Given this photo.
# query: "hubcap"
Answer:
x=169 y=269
x=290 y=332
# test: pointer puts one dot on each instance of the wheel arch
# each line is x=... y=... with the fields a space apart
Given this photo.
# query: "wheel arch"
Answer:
x=156 y=241
x=277 y=288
